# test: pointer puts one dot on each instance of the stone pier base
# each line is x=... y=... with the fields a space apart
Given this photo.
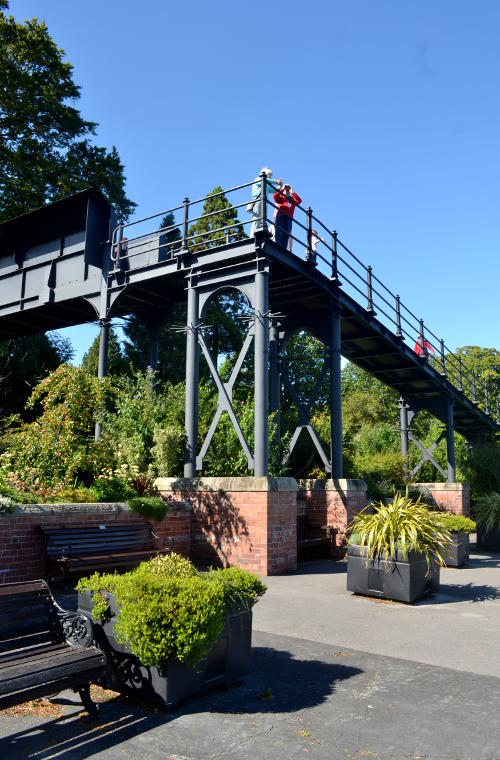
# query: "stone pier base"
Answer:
x=252 y=522
x=449 y=497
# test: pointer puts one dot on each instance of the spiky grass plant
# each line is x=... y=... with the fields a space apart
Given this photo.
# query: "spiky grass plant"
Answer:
x=403 y=525
x=487 y=512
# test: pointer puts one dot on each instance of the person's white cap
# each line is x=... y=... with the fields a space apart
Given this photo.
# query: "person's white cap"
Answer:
x=267 y=171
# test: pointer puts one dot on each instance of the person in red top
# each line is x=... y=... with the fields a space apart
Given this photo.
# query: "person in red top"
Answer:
x=286 y=200
x=423 y=350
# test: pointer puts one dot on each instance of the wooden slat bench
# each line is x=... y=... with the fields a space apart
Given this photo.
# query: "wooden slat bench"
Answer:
x=75 y=551
x=43 y=648
x=310 y=535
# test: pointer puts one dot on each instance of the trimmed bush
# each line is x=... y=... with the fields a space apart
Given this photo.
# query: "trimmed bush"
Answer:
x=169 y=610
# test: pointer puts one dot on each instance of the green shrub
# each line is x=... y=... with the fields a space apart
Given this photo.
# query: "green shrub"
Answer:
x=152 y=507
x=109 y=488
x=382 y=471
x=486 y=512
x=240 y=587
x=168 y=609
x=168 y=448
x=403 y=524
x=457 y=522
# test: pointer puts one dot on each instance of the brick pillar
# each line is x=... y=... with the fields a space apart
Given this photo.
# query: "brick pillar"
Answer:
x=249 y=522
x=448 y=497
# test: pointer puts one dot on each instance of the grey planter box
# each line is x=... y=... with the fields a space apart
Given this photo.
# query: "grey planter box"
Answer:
x=403 y=580
x=458 y=553
x=228 y=660
x=489 y=541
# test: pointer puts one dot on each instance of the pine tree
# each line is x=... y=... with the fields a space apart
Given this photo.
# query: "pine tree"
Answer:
x=116 y=361
x=223 y=227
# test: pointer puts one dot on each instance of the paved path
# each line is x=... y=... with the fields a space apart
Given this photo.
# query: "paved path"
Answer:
x=457 y=628
x=335 y=677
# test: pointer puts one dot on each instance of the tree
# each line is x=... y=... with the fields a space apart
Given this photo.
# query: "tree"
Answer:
x=218 y=223
x=485 y=363
x=45 y=145
x=170 y=237
x=116 y=363
x=24 y=362
x=58 y=446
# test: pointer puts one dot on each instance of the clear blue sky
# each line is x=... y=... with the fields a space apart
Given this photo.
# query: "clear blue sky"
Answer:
x=385 y=115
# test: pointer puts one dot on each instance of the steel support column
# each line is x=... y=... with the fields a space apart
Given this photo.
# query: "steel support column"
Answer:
x=192 y=375
x=275 y=379
x=261 y=400
x=102 y=367
x=154 y=333
x=405 y=441
x=336 y=393
x=450 y=440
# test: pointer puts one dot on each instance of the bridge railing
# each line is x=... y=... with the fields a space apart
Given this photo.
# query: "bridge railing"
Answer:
x=213 y=220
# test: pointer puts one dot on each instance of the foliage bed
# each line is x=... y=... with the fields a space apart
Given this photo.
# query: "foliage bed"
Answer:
x=457 y=522
x=487 y=512
x=168 y=609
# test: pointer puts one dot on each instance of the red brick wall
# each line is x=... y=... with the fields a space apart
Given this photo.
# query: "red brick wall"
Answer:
x=22 y=551
x=255 y=530
x=450 y=497
x=334 y=508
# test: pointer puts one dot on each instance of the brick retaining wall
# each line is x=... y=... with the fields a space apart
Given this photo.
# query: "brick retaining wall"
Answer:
x=22 y=551
x=252 y=522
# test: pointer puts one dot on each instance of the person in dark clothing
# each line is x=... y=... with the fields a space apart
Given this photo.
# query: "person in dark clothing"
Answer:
x=286 y=200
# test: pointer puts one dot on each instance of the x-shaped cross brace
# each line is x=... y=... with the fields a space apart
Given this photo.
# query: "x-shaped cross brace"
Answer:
x=305 y=418
x=225 y=401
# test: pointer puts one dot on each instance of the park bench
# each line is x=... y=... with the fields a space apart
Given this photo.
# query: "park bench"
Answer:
x=43 y=648
x=75 y=551
x=310 y=535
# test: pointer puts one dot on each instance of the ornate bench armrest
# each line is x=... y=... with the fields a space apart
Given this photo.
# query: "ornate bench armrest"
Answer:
x=77 y=628
x=168 y=544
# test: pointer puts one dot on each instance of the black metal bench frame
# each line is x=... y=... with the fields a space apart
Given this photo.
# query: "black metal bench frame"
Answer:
x=44 y=648
x=74 y=551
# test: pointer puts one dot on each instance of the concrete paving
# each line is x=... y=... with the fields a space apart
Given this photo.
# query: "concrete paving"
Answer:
x=334 y=676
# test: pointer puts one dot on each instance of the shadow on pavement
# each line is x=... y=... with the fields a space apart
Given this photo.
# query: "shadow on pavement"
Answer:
x=278 y=683
x=461 y=592
x=483 y=560
x=320 y=567
x=281 y=683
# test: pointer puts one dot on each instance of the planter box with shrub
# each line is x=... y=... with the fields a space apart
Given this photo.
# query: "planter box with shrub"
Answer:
x=459 y=526
x=170 y=632
x=403 y=580
x=395 y=550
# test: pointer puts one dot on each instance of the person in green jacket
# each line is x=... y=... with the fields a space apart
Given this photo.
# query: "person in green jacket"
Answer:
x=271 y=187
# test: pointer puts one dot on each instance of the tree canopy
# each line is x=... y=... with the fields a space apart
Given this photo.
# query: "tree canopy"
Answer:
x=24 y=362
x=46 y=147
